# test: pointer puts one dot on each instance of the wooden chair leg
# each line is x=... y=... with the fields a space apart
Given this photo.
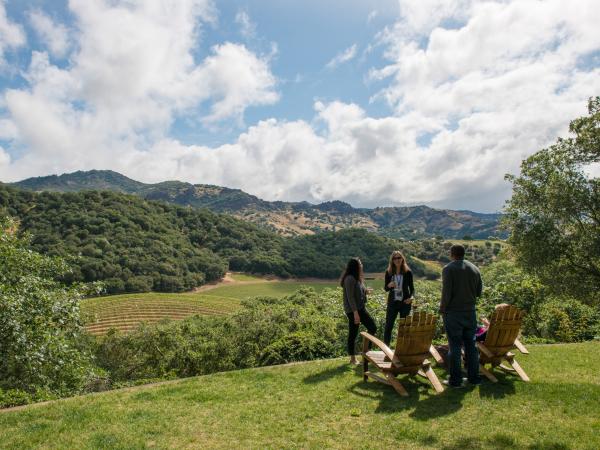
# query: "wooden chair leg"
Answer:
x=365 y=367
x=489 y=375
x=393 y=381
x=521 y=347
x=519 y=370
x=434 y=380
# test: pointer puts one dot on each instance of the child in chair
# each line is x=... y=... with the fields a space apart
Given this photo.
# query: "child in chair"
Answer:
x=482 y=328
x=480 y=333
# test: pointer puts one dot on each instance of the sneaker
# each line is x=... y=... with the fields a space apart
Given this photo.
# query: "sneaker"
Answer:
x=476 y=382
x=455 y=386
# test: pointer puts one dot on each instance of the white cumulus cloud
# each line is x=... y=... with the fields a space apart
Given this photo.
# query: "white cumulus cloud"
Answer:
x=56 y=36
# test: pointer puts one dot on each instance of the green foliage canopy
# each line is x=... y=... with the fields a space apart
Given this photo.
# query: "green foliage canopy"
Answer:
x=39 y=321
x=554 y=212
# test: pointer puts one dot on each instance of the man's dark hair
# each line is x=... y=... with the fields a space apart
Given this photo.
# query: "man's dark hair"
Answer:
x=457 y=251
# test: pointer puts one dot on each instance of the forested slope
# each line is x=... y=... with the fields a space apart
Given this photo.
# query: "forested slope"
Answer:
x=138 y=245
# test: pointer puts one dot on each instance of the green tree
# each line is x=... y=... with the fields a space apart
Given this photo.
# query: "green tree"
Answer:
x=554 y=212
x=39 y=321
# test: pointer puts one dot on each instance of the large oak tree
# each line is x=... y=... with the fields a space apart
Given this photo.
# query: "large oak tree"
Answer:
x=554 y=212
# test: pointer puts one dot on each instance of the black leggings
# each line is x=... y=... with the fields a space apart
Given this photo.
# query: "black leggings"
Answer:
x=366 y=320
x=394 y=308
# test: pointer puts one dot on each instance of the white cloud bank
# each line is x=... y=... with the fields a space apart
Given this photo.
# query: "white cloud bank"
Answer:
x=475 y=87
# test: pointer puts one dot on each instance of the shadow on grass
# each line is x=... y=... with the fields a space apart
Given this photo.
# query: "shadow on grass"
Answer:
x=500 y=441
x=504 y=387
x=327 y=374
x=423 y=401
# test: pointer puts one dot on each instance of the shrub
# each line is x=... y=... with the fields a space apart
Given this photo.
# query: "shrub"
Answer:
x=568 y=320
x=19 y=397
x=298 y=346
x=39 y=321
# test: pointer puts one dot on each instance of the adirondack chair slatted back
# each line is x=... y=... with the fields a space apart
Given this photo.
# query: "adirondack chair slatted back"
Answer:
x=415 y=334
x=505 y=325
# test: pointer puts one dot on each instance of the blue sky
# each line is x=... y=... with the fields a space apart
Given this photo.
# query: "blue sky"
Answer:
x=375 y=102
x=307 y=39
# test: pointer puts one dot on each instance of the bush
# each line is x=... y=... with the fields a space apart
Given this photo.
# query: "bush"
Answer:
x=505 y=282
x=266 y=330
x=298 y=346
x=194 y=346
x=14 y=397
x=568 y=320
x=18 y=397
x=40 y=327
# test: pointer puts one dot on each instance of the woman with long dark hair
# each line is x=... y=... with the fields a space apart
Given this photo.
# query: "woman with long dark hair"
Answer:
x=401 y=291
x=355 y=301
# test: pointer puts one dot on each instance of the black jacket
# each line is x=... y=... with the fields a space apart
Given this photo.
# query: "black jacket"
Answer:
x=408 y=288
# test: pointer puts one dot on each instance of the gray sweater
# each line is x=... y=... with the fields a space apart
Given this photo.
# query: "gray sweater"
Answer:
x=461 y=285
x=355 y=296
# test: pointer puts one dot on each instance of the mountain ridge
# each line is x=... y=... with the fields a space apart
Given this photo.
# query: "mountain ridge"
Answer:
x=286 y=218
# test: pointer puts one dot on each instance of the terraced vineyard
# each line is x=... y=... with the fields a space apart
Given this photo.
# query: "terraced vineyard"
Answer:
x=126 y=312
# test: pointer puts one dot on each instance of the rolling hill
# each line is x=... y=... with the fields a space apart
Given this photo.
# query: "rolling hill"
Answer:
x=286 y=218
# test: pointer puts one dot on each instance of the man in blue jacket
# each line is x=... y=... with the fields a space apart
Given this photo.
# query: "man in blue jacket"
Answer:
x=461 y=285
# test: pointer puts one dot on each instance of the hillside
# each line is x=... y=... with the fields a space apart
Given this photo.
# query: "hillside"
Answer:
x=136 y=245
x=286 y=218
x=326 y=404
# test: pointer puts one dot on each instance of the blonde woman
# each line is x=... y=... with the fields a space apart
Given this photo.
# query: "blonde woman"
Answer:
x=401 y=291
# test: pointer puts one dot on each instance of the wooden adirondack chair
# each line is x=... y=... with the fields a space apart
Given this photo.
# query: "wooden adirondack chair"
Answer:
x=502 y=336
x=410 y=356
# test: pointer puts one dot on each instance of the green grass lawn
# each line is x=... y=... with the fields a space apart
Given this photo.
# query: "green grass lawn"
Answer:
x=326 y=404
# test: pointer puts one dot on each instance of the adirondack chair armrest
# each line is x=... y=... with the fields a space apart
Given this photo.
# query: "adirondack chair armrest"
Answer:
x=386 y=350
x=521 y=347
x=483 y=349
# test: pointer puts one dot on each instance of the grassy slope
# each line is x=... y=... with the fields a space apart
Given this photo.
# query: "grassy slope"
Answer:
x=326 y=404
